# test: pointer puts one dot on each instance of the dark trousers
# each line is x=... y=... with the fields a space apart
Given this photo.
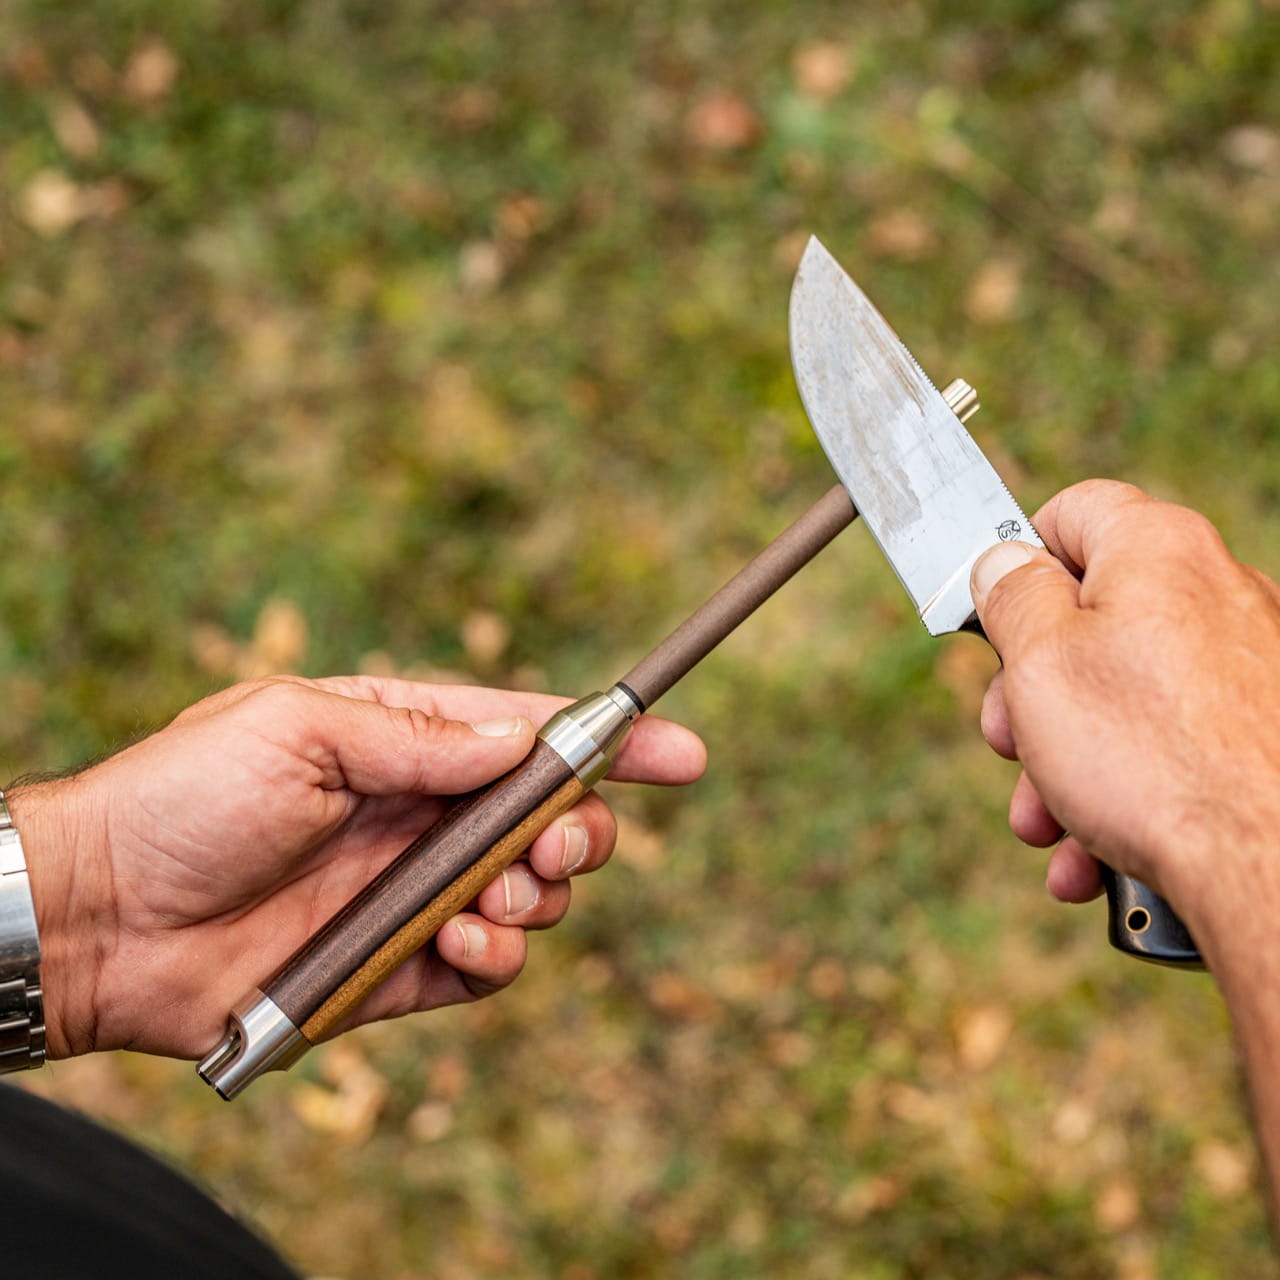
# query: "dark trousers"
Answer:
x=81 y=1203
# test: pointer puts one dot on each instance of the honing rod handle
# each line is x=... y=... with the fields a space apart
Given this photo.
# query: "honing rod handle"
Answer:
x=427 y=884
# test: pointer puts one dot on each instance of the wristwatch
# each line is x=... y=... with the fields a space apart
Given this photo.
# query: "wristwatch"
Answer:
x=21 y=1005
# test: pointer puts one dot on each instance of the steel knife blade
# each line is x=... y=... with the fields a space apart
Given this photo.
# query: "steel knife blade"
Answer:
x=922 y=486
x=930 y=499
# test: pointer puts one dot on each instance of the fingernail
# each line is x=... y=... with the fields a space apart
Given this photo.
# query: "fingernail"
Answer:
x=575 y=850
x=992 y=565
x=475 y=940
x=507 y=728
x=520 y=890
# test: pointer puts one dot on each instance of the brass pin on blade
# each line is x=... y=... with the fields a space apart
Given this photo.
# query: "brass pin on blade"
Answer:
x=961 y=399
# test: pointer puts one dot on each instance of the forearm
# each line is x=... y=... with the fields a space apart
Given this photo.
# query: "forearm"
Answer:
x=1254 y=1005
x=1233 y=921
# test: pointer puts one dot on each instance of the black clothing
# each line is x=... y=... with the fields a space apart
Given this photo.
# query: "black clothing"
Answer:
x=81 y=1203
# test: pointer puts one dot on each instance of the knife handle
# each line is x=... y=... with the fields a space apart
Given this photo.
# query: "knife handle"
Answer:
x=428 y=883
x=1143 y=925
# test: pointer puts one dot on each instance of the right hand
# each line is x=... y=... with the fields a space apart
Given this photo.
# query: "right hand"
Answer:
x=1140 y=692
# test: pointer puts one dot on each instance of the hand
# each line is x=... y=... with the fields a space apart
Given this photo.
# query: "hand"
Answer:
x=1141 y=694
x=173 y=877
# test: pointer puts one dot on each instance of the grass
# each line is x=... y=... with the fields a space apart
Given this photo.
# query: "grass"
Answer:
x=442 y=338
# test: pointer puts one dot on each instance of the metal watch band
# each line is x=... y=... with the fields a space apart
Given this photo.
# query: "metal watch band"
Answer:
x=21 y=1004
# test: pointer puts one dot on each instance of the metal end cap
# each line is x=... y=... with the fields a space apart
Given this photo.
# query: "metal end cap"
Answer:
x=259 y=1038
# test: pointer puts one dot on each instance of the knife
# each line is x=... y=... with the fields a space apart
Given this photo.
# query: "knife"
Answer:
x=931 y=500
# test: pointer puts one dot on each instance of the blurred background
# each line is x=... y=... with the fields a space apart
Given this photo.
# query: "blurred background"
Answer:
x=450 y=340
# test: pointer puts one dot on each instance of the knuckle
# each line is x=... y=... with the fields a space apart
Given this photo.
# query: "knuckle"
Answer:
x=281 y=690
x=270 y=700
x=424 y=730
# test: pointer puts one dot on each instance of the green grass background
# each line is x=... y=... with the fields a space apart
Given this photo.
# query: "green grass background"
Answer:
x=450 y=338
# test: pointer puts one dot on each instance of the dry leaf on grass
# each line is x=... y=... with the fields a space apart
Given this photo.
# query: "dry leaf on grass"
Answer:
x=981 y=1035
x=822 y=70
x=151 y=72
x=349 y=1110
x=722 y=121
x=994 y=293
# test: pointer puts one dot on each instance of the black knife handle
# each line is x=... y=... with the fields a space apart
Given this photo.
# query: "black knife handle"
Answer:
x=1143 y=925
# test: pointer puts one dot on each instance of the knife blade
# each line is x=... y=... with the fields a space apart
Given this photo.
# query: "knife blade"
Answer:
x=931 y=499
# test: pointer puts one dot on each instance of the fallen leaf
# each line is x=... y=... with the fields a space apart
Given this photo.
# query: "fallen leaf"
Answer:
x=828 y=980
x=151 y=72
x=901 y=233
x=822 y=71
x=1227 y=1170
x=265 y=345
x=51 y=204
x=1074 y=1121
x=449 y=1076
x=349 y=1110
x=722 y=121
x=485 y=636
x=92 y=74
x=868 y=1195
x=673 y=994
x=915 y=1106
x=1118 y=215
x=995 y=291
x=1253 y=146
x=472 y=107
x=1117 y=1206
x=789 y=1048
x=105 y=199
x=75 y=129
x=480 y=266
x=29 y=66
x=279 y=637
x=431 y=1121
x=1137 y=1261
x=981 y=1035
x=1229 y=351
x=461 y=425
x=520 y=216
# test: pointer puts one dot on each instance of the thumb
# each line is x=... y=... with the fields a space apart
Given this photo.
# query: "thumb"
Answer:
x=381 y=750
x=1020 y=591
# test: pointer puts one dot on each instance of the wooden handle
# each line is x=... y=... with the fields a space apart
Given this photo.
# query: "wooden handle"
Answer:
x=433 y=879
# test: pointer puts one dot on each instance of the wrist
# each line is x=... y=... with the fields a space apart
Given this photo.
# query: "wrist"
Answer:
x=69 y=888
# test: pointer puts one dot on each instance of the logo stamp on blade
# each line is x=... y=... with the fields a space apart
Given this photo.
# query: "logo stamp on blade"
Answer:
x=1008 y=530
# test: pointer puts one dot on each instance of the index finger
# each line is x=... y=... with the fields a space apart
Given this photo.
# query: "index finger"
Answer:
x=1102 y=529
x=1075 y=521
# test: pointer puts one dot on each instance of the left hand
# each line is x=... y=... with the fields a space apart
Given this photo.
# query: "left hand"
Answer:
x=173 y=877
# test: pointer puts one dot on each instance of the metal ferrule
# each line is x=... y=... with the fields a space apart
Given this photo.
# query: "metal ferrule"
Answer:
x=259 y=1038
x=588 y=734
